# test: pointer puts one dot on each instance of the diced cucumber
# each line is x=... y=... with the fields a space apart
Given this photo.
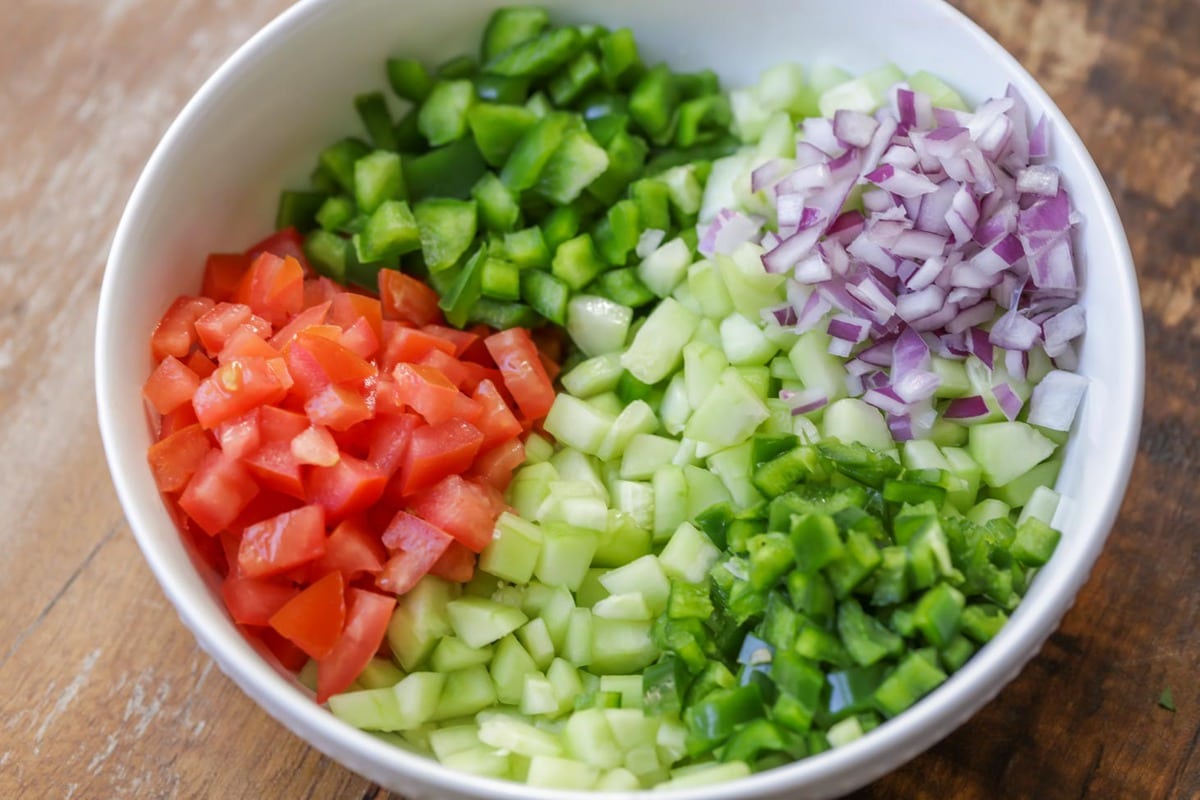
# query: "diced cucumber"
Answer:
x=598 y=325
x=561 y=773
x=706 y=774
x=1042 y=505
x=852 y=420
x=744 y=342
x=537 y=696
x=817 y=368
x=577 y=423
x=577 y=647
x=420 y=619
x=508 y=670
x=380 y=673
x=729 y=414
x=664 y=268
x=368 y=709
x=644 y=576
x=637 y=418
x=655 y=351
x=453 y=739
x=465 y=692
x=1005 y=450
x=988 y=509
x=506 y=732
x=534 y=636
x=689 y=554
x=513 y=552
x=485 y=761
x=453 y=654
x=703 y=366
x=566 y=553
x=708 y=289
x=589 y=739
x=1020 y=489
x=864 y=93
x=417 y=698
x=675 y=407
x=621 y=647
x=645 y=454
x=478 y=621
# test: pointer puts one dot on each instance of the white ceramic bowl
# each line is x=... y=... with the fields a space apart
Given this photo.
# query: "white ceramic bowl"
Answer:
x=257 y=125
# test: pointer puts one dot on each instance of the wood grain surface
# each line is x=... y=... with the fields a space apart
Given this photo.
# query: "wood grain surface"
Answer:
x=106 y=695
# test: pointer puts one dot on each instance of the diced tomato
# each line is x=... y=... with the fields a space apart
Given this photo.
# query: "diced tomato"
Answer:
x=170 y=385
x=177 y=420
x=246 y=341
x=315 y=445
x=207 y=549
x=415 y=546
x=289 y=656
x=431 y=394
x=461 y=508
x=524 y=376
x=497 y=464
x=253 y=601
x=279 y=543
x=200 y=364
x=274 y=467
x=240 y=436
x=462 y=340
x=314 y=619
x=390 y=437
x=356 y=440
x=177 y=456
x=475 y=374
x=222 y=274
x=315 y=362
x=361 y=339
x=175 y=333
x=348 y=487
x=408 y=345
x=217 y=492
x=389 y=400
x=550 y=366
x=435 y=451
x=265 y=505
x=497 y=421
x=456 y=564
x=283 y=243
x=352 y=549
x=310 y=316
x=273 y=287
x=405 y=298
x=320 y=290
x=455 y=371
x=219 y=323
x=349 y=307
x=337 y=407
x=237 y=387
x=280 y=425
x=367 y=617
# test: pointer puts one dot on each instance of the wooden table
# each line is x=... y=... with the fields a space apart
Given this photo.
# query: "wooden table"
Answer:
x=105 y=694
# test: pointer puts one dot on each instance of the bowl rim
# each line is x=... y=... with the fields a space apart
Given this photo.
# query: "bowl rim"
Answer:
x=909 y=733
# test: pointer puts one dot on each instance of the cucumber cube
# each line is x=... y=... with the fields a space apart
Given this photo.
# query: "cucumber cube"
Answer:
x=421 y=618
x=565 y=556
x=513 y=554
x=478 y=621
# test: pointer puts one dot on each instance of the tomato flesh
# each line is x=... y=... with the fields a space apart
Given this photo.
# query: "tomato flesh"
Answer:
x=367 y=617
x=282 y=542
x=314 y=618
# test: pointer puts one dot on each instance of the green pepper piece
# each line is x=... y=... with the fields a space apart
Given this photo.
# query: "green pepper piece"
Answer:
x=390 y=231
x=653 y=199
x=760 y=737
x=537 y=58
x=546 y=294
x=457 y=303
x=335 y=212
x=665 y=684
x=913 y=678
x=579 y=75
x=617 y=233
x=378 y=176
x=501 y=280
x=498 y=128
x=501 y=90
x=502 y=315
x=409 y=79
x=820 y=645
x=958 y=651
x=715 y=718
x=1034 y=543
x=982 y=621
x=626 y=159
x=498 y=207
x=576 y=262
x=458 y=67
x=858 y=560
x=511 y=26
x=686 y=638
x=443 y=117
x=771 y=556
x=851 y=691
x=298 y=209
x=338 y=160
x=865 y=638
x=574 y=165
x=533 y=151
x=815 y=540
x=449 y=171
x=860 y=462
x=327 y=253
x=891 y=578
x=715 y=519
x=689 y=601
x=780 y=623
x=377 y=119
x=560 y=225
x=903 y=491
x=527 y=248
x=938 y=614
x=447 y=229
x=653 y=101
x=702 y=120
x=620 y=63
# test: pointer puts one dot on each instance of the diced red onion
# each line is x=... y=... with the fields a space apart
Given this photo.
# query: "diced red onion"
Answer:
x=878 y=200
x=854 y=127
x=847 y=328
x=1039 y=139
x=787 y=253
x=899 y=155
x=848 y=225
x=770 y=173
x=919 y=244
x=937 y=320
x=900 y=426
x=1016 y=364
x=727 y=231
x=926 y=274
x=909 y=354
x=1010 y=403
x=917 y=385
x=966 y=408
x=1014 y=332
x=886 y=400
x=1056 y=399
x=804 y=178
x=901 y=181
x=1038 y=179
x=1059 y=330
x=781 y=316
x=977 y=314
x=912 y=306
x=1053 y=268
x=879 y=143
x=875 y=296
x=819 y=132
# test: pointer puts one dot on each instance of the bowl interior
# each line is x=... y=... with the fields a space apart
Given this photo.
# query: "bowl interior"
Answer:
x=256 y=127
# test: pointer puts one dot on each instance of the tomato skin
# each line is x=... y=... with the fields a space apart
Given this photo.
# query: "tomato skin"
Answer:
x=352 y=549
x=222 y=274
x=175 y=333
x=245 y=341
x=280 y=425
x=218 y=491
x=240 y=436
x=314 y=618
x=463 y=341
x=236 y=387
x=456 y=564
x=495 y=467
x=455 y=371
x=274 y=467
x=415 y=546
x=283 y=243
x=461 y=508
x=361 y=339
x=436 y=451
x=431 y=394
x=348 y=487
x=407 y=299
x=273 y=287
x=176 y=457
x=253 y=601
x=406 y=345
x=310 y=316
x=170 y=385
x=367 y=617
x=219 y=323
x=390 y=439
x=337 y=407
x=497 y=422
x=315 y=361
x=277 y=544
x=200 y=364
x=347 y=308
x=524 y=375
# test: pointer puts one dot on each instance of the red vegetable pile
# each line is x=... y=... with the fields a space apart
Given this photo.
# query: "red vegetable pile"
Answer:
x=326 y=449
